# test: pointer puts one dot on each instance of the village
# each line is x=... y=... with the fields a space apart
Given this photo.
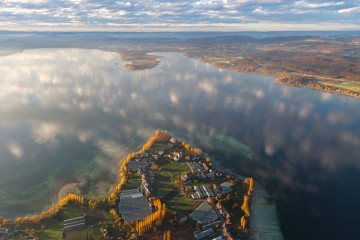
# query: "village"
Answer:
x=167 y=190
x=214 y=203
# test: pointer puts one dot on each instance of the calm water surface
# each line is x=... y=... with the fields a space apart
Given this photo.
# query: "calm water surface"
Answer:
x=69 y=115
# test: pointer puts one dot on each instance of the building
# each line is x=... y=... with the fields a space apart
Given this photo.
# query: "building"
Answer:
x=202 y=192
x=204 y=214
x=133 y=205
x=204 y=233
x=135 y=165
x=176 y=155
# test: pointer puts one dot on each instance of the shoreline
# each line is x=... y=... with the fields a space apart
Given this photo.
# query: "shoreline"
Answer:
x=279 y=76
x=264 y=223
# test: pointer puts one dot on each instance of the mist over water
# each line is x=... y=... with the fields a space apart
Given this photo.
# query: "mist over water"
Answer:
x=69 y=115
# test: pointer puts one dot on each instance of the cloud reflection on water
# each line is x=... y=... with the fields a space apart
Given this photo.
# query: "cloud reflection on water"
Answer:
x=58 y=95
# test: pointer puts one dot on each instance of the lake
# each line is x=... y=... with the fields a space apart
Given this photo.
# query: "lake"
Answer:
x=69 y=115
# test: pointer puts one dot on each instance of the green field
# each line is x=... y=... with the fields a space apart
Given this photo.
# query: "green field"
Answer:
x=54 y=227
x=182 y=204
x=165 y=187
x=51 y=234
x=174 y=169
x=73 y=211
x=350 y=86
x=94 y=233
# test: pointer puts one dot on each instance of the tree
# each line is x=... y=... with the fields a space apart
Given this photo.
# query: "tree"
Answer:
x=19 y=220
x=167 y=235
x=5 y=222
x=242 y=222
x=197 y=151
x=94 y=204
x=30 y=232
x=245 y=206
x=155 y=167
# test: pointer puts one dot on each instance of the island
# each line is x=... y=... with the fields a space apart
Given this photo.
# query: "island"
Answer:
x=138 y=60
x=166 y=190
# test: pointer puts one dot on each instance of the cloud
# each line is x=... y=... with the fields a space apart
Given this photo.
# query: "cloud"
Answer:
x=16 y=150
x=350 y=10
x=305 y=4
x=172 y=14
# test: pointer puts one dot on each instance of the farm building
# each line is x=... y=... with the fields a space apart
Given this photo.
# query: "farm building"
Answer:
x=134 y=205
x=204 y=214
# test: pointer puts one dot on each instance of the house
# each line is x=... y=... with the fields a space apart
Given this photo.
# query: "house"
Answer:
x=134 y=165
x=227 y=184
x=206 y=167
x=210 y=175
x=185 y=177
x=176 y=155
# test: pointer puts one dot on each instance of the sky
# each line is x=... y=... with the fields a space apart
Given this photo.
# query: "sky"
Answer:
x=179 y=15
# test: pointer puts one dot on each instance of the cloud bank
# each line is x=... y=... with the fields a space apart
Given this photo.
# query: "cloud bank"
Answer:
x=178 y=14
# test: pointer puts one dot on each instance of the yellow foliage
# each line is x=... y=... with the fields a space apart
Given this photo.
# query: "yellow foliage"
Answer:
x=158 y=136
x=145 y=224
x=245 y=206
x=243 y=222
x=71 y=198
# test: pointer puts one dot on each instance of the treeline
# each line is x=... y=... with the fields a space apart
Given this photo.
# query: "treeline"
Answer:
x=158 y=136
x=189 y=148
x=146 y=224
x=249 y=182
x=54 y=209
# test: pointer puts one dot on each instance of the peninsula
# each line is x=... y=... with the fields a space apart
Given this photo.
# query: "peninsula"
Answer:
x=167 y=190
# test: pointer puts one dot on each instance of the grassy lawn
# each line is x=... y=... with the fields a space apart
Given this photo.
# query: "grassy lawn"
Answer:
x=163 y=185
x=94 y=233
x=175 y=169
x=73 y=210
x=50 y=234
x=165 y=180
x=182 y=205
x=351 y=86
x=135 y=182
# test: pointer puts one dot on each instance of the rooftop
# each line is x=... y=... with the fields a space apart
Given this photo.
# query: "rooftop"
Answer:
x=204 y=214
x=134 y=206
